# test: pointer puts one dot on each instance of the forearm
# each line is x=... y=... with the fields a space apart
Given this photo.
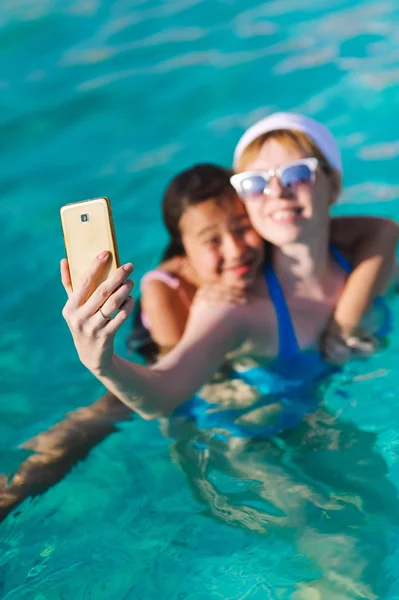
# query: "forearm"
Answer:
x=372 y=267
x=158 y=390
x=149 y=392
x=143 y=390
x=363 y=285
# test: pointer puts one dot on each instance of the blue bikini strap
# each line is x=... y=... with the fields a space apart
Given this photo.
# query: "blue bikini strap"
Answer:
x=288 y=344
x=340 y=259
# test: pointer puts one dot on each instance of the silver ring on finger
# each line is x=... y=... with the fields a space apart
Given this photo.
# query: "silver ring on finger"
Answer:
x=104 y=316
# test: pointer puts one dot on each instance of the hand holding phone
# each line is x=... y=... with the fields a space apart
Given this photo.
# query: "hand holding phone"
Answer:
x=88 y=230
x=94 y=320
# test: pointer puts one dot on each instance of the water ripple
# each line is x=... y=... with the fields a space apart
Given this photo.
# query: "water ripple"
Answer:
x=381 y=80
x=306 y=61
x=78 y=56
x=381 y=151
x=370 y=192
x=172 y=8
x=115 y=97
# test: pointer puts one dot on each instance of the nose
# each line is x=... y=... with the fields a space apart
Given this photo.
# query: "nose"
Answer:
x=275 y=188
x=232 y=247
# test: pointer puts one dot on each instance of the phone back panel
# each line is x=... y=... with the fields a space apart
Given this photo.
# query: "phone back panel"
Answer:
x=88 y=229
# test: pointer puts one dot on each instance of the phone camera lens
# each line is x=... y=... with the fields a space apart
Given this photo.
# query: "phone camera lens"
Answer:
x=84 y=218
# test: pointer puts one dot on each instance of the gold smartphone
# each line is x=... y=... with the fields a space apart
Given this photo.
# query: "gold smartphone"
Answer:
x=88 y=229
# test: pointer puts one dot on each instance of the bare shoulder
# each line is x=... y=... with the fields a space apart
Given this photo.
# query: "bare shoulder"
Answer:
x=165 y=311
x=348 y=230
x=156 y=294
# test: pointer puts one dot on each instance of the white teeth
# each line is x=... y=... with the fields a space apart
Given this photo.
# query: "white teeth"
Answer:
x=280 y=215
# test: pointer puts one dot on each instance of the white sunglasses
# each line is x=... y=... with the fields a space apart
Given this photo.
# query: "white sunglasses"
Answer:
x=250 y=185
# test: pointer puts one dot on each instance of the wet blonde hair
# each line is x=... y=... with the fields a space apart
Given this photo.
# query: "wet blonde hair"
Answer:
x=292 y=140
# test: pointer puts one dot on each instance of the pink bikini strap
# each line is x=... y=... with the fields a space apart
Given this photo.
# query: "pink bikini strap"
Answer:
x=157 y=275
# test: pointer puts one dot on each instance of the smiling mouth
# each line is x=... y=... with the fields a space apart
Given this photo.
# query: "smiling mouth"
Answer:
x=241 y=269
x=286 y=215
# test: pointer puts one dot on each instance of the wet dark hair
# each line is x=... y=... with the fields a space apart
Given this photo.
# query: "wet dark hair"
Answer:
x=190 y=188
x=139 y=339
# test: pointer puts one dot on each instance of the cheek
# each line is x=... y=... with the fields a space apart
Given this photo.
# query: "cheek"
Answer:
x=317 y=198
x=305 y=195
x=254 y=242
x=256 y=213
x=324 y=193
x=205 y=262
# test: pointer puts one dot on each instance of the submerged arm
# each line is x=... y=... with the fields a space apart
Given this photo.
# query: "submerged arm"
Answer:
x=57 y=450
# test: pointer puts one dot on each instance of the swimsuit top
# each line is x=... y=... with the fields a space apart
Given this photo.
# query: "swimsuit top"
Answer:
x=289 y=379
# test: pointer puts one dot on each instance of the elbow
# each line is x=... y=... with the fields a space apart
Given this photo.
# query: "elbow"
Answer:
x=149 y=415
x=149 y=411
x=390 y=229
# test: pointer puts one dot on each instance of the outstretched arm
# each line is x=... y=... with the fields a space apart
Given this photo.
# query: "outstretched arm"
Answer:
x=152 y=391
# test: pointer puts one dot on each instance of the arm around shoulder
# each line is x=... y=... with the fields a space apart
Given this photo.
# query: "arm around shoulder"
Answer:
x=370 y=244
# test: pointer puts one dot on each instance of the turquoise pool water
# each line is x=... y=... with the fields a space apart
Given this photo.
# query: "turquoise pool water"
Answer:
x=112 y=98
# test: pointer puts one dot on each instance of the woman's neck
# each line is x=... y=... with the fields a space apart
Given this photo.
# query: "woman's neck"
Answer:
x=304 y=269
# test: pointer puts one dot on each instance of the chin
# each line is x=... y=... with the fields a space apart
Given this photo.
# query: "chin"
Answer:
x=249 y=281
x=286 y=240
x=241 y=282
x=282 y=236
